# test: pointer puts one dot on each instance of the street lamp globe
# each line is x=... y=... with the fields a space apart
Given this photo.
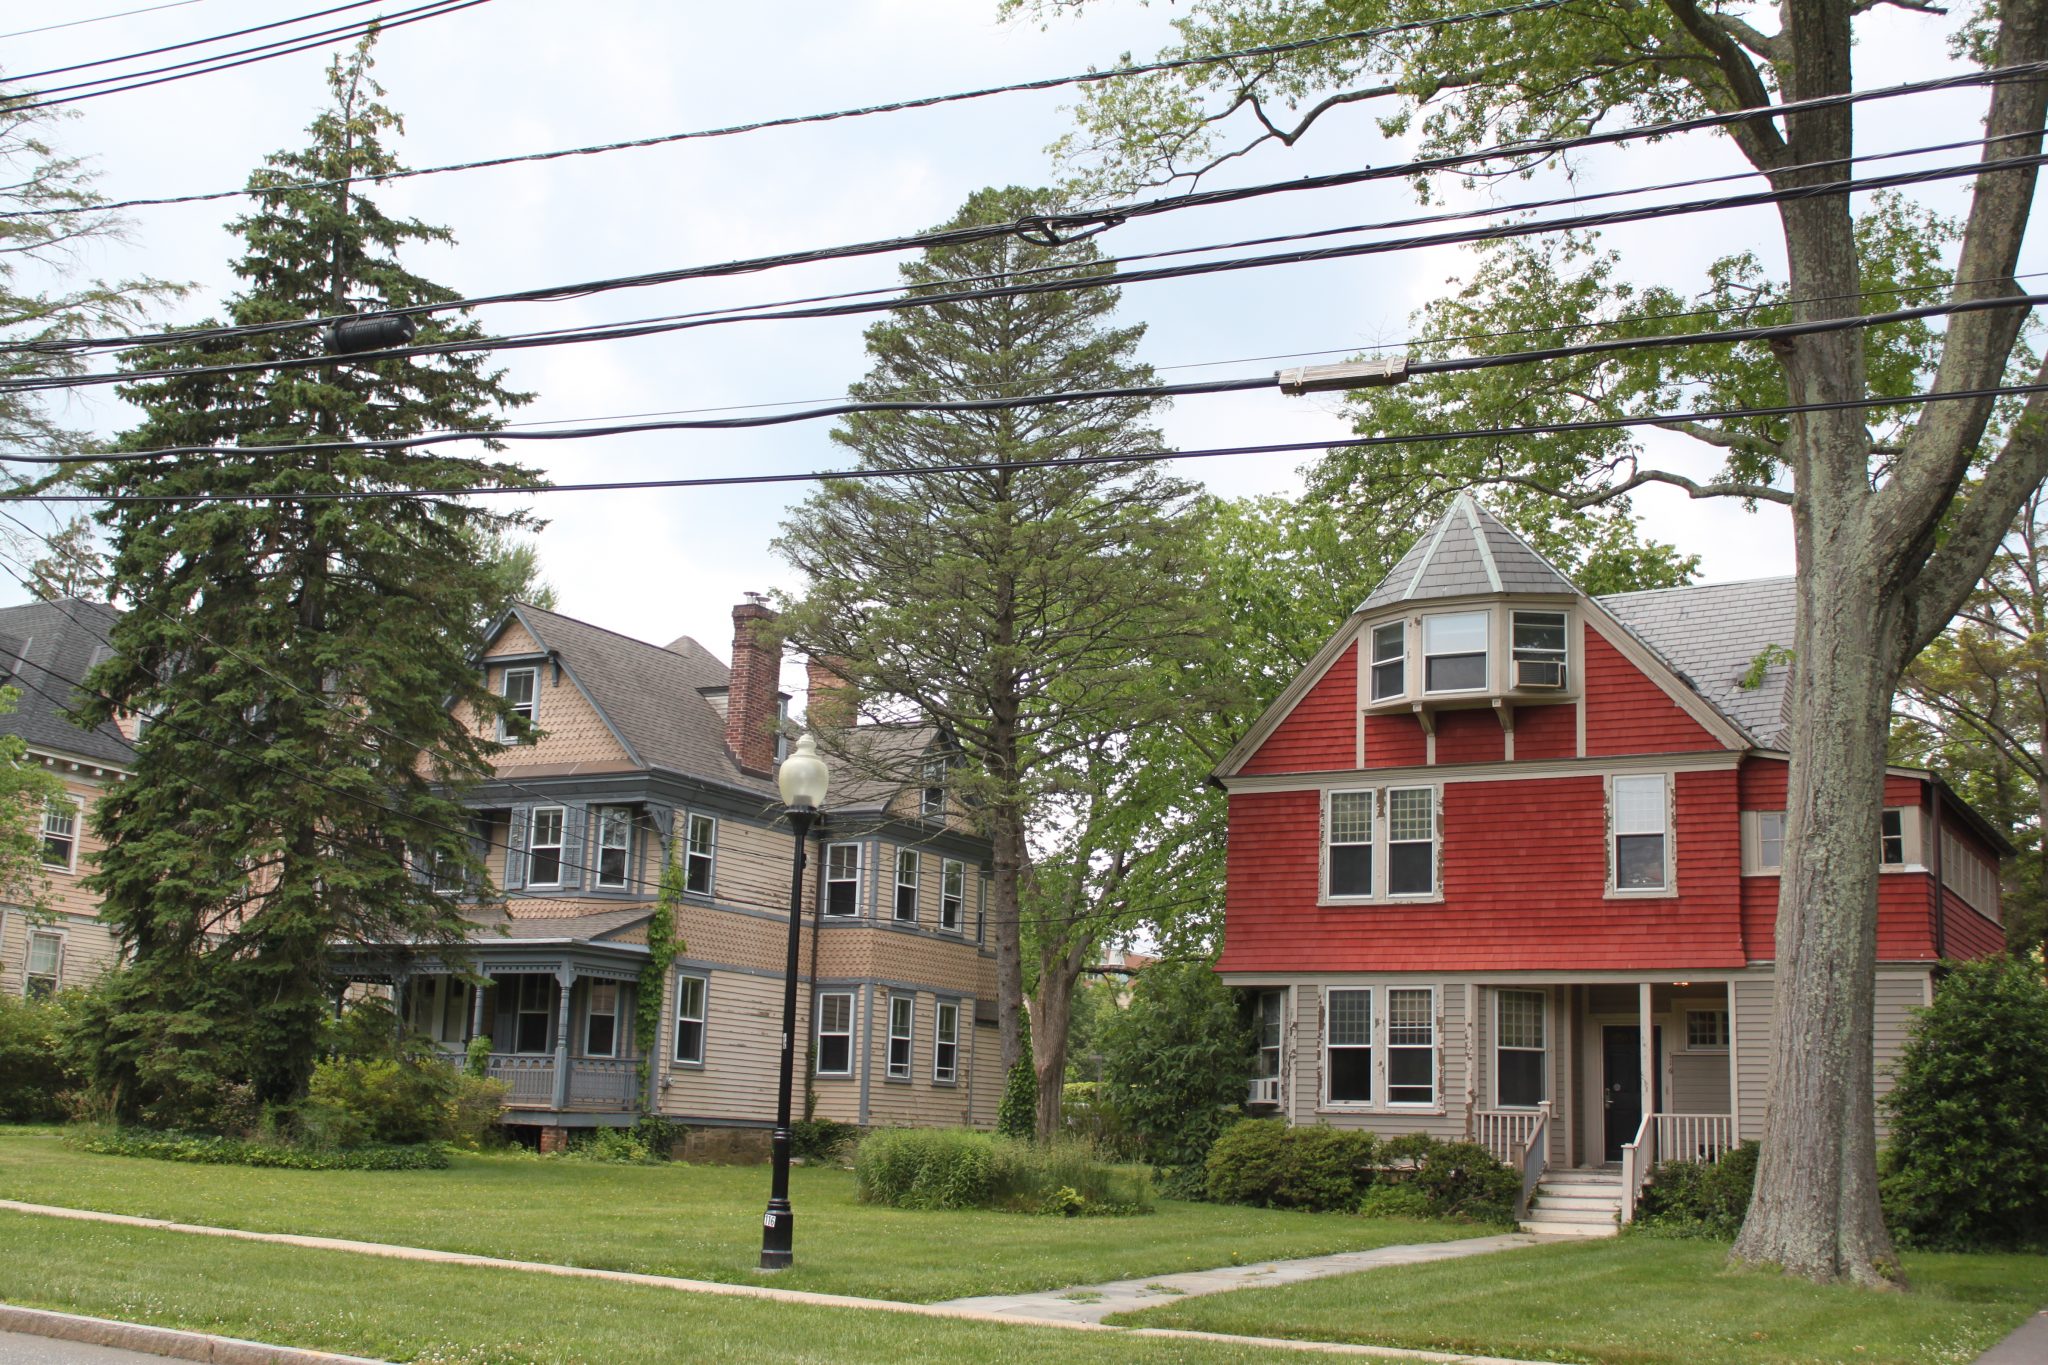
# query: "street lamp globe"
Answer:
x=803 y=777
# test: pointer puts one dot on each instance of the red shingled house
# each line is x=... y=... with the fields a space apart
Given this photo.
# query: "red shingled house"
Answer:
x=1503 y=864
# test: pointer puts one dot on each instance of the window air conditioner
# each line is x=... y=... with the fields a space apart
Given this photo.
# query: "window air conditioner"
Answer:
x=1265 y=1090
x=1539 y=674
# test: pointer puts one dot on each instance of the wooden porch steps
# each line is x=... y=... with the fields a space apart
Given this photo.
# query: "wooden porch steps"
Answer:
x=1583 y=1203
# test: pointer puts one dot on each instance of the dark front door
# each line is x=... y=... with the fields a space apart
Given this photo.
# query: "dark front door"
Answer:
x=1621 y=1077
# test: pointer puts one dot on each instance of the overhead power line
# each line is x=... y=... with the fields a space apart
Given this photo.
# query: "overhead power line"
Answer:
x=1072 y=280
x=1449 y=365
x=21 y=76
x=1002 y=466
x=398 y=19
x=98 y=18
x=892 y=107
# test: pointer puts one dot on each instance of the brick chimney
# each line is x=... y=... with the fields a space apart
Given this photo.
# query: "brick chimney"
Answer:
x=831 y=703
x=751 y=710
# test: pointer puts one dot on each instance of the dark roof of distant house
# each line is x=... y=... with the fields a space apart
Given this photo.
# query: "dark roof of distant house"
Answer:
x=45 y=649
x=1716 y=636
x=1468 y=551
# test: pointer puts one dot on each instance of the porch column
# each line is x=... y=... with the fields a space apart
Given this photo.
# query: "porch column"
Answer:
x=1648 y=1032
x=476 y=1008
x=565 y=977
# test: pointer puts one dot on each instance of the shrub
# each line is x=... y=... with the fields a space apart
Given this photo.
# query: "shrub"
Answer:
x=1265 y=1163
x=950 y=1168
x=617 y=1145
x=659 y=1135
x=384 y=1100
x=476 y=1060
x=1464 y=1180
x=222 y=1151
x=1088 y=1116
x=1697 y=1198
x=470 y=1119
x=1967 y=1165
x=821 y=1139
x=34 y=1075
x=1174 y=1064
x=1396 y=1200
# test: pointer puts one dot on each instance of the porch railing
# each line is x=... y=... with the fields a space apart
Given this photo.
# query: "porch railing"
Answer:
x=1529 y=1157
x=1501 y=1131
x=1638 y=1159
x=532 y=1079
x=603 y=1083
x=1694 y=1137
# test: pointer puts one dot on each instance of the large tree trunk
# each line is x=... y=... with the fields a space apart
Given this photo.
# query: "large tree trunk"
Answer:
x=1005 y=891
x=1052 y=1013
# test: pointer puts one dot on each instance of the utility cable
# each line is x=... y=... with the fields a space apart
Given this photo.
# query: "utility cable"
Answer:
x=1449 y=365
x=21 y=76
x=893 y=107
x=99 y=18
x=1058 y=462
x=1064 y=284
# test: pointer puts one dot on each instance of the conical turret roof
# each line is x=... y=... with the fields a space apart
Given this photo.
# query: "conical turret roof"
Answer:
x=1468 y=551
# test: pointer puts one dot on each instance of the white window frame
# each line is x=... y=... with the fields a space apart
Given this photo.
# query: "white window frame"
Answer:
x=1386 y=1026
x=853 y=910
x=1763 y=841
x=1379 y=883
x=601 y=816
x=1615 y=834
x=916 y=865
x=931 y=796
x=30 y=976
x=1370 y=844
x=1691 y=1041
x=684 y=981
x=696 y=856
x=1542 y=1050
x=1372 y=1017
x=820 y=1033
x=1425 y=653
x=591 y=1014
x=1270 y=1013
x=444 y=873
x=560 y=845
x=946 y=1042
x=952 y=895
x=1431 y=800
x=1398 y=661
x=902 y=1030
x=69 y=809
x=1891 y=814
x=530 y=711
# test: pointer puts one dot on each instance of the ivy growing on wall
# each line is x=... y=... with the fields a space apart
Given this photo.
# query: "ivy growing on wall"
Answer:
x=662 y=947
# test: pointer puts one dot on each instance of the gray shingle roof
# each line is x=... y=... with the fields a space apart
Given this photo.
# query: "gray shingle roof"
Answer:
x=1468 y=551
x=52 y=641
x=1712 y=636
x=495 y=923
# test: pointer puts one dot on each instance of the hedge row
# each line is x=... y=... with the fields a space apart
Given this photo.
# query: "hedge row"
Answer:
x=223 y=1151
x=1268 y=1164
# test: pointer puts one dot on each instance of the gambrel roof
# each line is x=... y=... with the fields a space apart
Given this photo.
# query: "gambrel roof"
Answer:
x=1468 y=551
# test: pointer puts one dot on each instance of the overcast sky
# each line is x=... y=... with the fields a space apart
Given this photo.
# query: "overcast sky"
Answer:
x=528 y=75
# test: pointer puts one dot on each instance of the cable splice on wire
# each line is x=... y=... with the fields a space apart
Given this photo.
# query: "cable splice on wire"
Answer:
x=1067 y=461
x=892 y=107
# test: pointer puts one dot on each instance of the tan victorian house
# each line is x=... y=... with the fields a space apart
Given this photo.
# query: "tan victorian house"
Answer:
x=644 y=755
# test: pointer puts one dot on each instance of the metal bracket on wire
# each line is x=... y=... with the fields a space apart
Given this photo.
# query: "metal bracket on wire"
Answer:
x=1046 y=229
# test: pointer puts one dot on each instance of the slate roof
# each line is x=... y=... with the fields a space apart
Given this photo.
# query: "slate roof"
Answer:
x=41 y=644
x=1711 y=635
x=1468 y=551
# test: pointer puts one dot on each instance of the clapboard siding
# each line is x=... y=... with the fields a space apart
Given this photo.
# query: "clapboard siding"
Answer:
x=1753 y=1025
x=1470 y=737
x=1393 y=741
x=919 y=1101
x=742 y=1048
x=1968 y=933
x=1899 y=996
x=86 y=948
x=1305 y=1081
x=1321 y=732
x=1546 y=732
x=1627 y=713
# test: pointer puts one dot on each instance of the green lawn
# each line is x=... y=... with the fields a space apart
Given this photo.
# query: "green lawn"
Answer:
x=1638 y=1301
x=698 y=1221
x=456 y=1315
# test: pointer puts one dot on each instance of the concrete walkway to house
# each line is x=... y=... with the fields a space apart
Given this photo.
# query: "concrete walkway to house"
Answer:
x=1094 y=1302
x=2028 y=1344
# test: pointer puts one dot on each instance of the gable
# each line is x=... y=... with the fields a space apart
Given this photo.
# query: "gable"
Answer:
x=1628 y=712
x=573 y=732
x=1320 y=732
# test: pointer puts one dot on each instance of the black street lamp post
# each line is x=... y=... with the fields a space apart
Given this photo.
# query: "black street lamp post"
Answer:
x=802 y=779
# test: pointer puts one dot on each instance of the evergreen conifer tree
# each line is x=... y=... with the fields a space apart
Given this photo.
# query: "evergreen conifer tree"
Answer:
x=305 y=660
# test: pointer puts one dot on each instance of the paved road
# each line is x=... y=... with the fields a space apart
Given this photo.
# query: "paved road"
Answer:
x=16 y=1349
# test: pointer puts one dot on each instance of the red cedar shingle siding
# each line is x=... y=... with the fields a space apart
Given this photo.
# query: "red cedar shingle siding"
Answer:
x=1969 y=934
x=1626 y=713
x=1546 y=732
x=1469 y=737
x=1320 y=734
x=1394 y=741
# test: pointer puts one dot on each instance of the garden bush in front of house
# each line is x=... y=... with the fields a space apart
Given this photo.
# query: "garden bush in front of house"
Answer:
x=1699 y=1198
x=1268 y=1164
x=34 y=1075
x=952 y=1168
x=209 y=1150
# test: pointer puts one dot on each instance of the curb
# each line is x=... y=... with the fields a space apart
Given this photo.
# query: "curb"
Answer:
x=163 y=1341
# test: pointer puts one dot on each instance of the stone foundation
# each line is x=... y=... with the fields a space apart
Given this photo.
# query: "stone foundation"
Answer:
x=727 y=1146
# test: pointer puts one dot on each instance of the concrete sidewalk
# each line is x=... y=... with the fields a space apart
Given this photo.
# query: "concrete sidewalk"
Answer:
x=2028 y=1344
x=1094 y=1302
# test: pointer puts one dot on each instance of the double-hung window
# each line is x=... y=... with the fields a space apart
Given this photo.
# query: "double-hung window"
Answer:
x=835 y=1033
x=1389 y=660
x=601 y=1024
x=531 y=1001
x=1347 y=1047
x=614 y=845
x=45 y=958
x=700 y=838
x=1539 y=649
x=902 y=1009
x=690 y=1020
x=60 y=834
x=842 y=879
x=952 y=894
x=520 y=687
x=946 y=1043
x=1891 y=841
x=544 y=847
x=444 y=876
x=1411 y=841
x=906 y=885
x=1454 y=652
x=1641 y=841
x=1519 y=1049
x=1770 y=840
x=1271 y=1009
x=1411 y=1045
x=1351 y=843
x=931 y=799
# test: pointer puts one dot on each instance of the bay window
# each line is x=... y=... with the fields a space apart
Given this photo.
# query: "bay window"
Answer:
x=1454 y=652
x=1538 y=649
x=1389 y=660
x=614 y=845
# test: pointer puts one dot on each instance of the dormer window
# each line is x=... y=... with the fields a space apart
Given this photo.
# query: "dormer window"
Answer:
x=518 y=689
x=1389 y=660
x=932 y=798
x=1454 y=652
x=1539 y=650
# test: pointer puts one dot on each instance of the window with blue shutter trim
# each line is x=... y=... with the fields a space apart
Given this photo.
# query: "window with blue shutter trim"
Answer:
x=576 y=856
x=515 y=847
